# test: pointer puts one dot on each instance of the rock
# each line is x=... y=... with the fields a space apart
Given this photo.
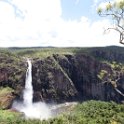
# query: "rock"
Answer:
x=52 y=82
x=71 y=77
x=61 y=77
x=12 y=76
x=6 y=100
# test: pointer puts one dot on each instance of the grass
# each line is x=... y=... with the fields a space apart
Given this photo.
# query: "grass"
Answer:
x=90 y=112
x=5 y=96
x=5 y=90
x=117 y=53
x=94 y=112
x=9 y=59
x=42 y=52
x=8 y=116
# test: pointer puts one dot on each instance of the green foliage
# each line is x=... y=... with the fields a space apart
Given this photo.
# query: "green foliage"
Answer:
x=119 y=4
x=36 y=53
x=109 y=7
x=117 y=66
x=99 y=10
x=100 y=112
x=5 y=90
x=113 y=74
x=102 y=74
x=90 y=112
x=42 y=52
x=5 y=96
x=9 y=59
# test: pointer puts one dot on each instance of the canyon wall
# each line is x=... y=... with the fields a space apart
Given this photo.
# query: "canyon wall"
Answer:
x=60 y=77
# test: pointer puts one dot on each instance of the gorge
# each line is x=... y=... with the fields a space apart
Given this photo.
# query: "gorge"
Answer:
x=38 y=110
x=62 y=74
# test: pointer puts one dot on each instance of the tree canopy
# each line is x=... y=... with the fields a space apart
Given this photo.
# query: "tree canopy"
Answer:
x=115 y=10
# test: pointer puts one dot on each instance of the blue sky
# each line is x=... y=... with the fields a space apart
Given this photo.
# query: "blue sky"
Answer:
x=62 y=23
x=73 y=9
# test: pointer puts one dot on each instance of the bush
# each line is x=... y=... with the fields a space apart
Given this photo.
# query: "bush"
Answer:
x=90 y=112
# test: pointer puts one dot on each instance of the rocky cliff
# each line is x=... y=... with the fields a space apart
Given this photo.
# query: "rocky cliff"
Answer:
x=72 y=77
x=12 y=78
x=62 y=77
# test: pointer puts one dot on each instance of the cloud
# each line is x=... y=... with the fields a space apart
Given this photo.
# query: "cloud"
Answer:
x=96 y=3
x=77 y=1
x=17 y=11
x=84 y=33
x=42 y=25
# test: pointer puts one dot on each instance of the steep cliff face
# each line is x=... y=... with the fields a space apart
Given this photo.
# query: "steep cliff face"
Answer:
x=60 y=77
x=12 y=76
x=51 y=82
x=72 y=77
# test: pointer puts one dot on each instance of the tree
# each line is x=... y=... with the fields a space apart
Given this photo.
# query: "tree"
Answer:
x=114 y=10
x=113 y=76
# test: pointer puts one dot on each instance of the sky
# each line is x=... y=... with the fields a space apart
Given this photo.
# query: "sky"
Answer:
x=59 y=23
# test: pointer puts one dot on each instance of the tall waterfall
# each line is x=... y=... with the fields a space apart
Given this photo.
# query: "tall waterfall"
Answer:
x=28 y=91
x=38 y=110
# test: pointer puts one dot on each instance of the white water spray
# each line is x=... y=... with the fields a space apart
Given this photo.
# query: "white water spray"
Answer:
x=38 y=110
x=28 y=92
x=31 y=110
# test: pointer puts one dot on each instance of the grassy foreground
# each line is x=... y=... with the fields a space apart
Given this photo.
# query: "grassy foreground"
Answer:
x=90 y=112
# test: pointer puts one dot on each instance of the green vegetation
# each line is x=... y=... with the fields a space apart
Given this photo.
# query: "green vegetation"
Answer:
x=102 y=74
x=43 y=52
x=90 y=112
x=101 y=53
x=112 y=75
x=116 y=70
x=9 y=117
x=9 y=59
x=5 y=90
x=5 y=96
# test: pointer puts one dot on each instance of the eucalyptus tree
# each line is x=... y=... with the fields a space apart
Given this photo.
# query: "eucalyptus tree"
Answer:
x=115 y=10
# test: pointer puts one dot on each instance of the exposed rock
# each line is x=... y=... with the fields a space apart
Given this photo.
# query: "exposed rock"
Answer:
x=71 y=77
x=60 y=78
x=6 y=100
x=52 y=82
x=12 y=75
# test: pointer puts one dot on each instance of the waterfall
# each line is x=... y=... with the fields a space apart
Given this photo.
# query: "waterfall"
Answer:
x=38 y=110
x=28 y=91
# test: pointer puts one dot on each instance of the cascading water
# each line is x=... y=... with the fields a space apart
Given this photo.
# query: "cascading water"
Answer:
x=28 y=91
x=38 y=110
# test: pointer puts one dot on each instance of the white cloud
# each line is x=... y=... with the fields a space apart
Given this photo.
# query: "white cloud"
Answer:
x=99 y=3
x=43 y=25
x=95 y=3
x=85 y=33
x=77 y=1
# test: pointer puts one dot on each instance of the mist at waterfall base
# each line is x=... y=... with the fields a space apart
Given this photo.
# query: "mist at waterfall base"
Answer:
x=38 y=110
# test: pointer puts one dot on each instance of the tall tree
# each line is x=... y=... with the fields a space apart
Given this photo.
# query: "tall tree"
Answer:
x=115 y=10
